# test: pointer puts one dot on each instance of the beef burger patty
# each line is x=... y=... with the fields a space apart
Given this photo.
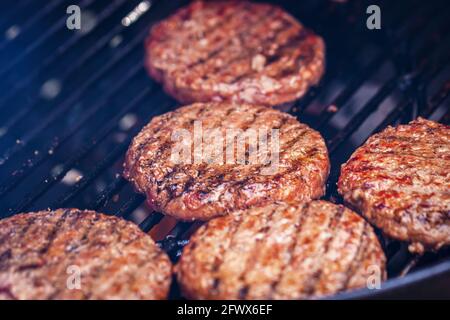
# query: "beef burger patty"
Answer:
x=400 y=180
x=234 y=51
x=281 y=251
x=202 y=190
x=74 y=254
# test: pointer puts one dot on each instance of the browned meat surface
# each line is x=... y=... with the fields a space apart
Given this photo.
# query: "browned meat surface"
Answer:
x=281 y=252
x=42 y=253
x=234 y=51
x=400 y=180
x=205 y=190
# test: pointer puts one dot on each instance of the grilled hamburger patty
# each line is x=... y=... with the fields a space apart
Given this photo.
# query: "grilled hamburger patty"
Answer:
x=204 y=190
x=280 y=251
x=234 y=51
x=41 y=253
x=400 y=180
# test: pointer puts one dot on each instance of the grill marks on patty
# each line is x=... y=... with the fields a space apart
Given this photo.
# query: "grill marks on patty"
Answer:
x=232 y=64
x=280 y=251
x=115 y=258
x=234 y=51
x=241 y=250
x=399 y=179
x=79 y=237
x=205 y=190
x=185 y=37
x=272 y=63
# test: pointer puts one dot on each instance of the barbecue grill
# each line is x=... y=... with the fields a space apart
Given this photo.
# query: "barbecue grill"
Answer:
x=72 y=100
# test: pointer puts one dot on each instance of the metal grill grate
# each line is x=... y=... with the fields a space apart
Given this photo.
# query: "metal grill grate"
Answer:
x=71 y=101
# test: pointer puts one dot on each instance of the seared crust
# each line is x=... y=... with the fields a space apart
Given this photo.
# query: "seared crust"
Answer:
x=280 y=251
x=41 y=252
x=205 y=190
x=234 y=51
x=400 y=180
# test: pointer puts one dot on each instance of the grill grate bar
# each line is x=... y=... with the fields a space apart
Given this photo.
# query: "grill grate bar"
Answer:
x=76 y=93
x=172 y=243
x=51 y=180
x=34 y=133
x=86 y=180
x=355 y=83
x=394 y=115
x=414 y=260
x=314 y=92
x=359 y=119
x=60 y=24
x=336 y=42
x=112 y=189
x=150 y=221
x=302 y=103
x=64 y=48
x=28 y=166
x=413 y=87
x=9 y=12
x=442 y=95
x=370 y=107
x=106 y=162
x=399 y=261
x=38 y=15
x=440 y=17
x=135 y=201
